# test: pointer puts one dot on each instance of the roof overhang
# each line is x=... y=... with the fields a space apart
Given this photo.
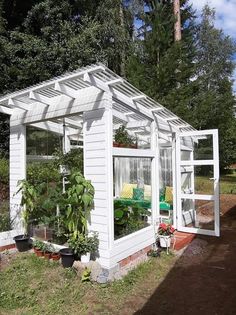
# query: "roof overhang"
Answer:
x=130 y=106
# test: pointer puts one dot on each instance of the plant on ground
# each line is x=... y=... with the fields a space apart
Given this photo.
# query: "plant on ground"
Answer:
x=80 y=194
x=4 y=170
x=83 y=243
x=38 y=244
x=28 y=202
x=5 y=219
x=85 y=277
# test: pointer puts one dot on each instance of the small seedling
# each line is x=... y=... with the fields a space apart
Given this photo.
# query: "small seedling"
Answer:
x=86 y=275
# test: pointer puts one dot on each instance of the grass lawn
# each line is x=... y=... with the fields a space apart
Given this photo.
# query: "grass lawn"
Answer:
x=227 y=184
x=32 y=285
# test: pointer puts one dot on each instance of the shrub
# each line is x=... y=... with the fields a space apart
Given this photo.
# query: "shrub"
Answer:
x=39 y=172
x=5 y=220
x=4 y=170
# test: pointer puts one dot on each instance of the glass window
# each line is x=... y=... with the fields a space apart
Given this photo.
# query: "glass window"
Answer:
x=132 y=194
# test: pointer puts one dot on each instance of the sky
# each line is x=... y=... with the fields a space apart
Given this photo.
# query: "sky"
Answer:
x=225 y=17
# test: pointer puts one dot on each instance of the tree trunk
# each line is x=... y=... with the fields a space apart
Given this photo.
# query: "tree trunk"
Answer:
x=177 y=27
x=122 y=52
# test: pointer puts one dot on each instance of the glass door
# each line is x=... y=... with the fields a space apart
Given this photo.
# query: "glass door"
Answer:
x=197 y=182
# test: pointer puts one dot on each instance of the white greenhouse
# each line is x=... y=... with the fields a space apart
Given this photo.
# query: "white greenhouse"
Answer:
x=167 y=158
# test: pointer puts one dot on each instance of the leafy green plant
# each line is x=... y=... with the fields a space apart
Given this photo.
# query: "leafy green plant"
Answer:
x=85 y=277
x=122 y=137
x=4 y=170
x=72 y=159
x=28 y=201
x=82 y=244
x=5 y=219
x=80 y=195
x=39 y=172
x=39 y=245
x=129 y=219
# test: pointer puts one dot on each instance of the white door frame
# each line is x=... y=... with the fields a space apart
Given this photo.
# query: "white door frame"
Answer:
x=180 y=195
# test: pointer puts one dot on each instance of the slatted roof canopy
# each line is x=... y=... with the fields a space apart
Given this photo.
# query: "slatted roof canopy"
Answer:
x=129 y=103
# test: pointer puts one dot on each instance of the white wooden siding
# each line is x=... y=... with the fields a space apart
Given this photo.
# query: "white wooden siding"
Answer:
x=17 y=168
x=98 y=169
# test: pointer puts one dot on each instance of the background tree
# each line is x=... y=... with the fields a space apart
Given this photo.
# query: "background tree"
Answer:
x=213 y=98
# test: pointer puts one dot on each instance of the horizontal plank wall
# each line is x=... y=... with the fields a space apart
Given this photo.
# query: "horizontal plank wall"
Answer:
x=97 y=132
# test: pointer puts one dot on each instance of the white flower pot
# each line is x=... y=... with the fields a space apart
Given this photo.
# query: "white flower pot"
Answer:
x=164 y=240
x=85 y=258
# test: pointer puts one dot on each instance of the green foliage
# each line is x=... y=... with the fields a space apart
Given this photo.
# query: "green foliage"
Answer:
x=4 y=171
x=122 y=137
x=82 y=243
x=129 y=219
x=4 y=132
x=28 y=201
x=39 y=172
x=72 y=159
x=39 y=245
x=79 y=194
x=85 y=277
x=5 y=220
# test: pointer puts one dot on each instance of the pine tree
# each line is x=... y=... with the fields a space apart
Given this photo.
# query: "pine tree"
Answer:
x=213 y=100
x=162 y=67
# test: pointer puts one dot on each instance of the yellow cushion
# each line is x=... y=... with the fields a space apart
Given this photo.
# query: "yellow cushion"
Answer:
x=127 y=190
x=169 y=194
x=147 y=192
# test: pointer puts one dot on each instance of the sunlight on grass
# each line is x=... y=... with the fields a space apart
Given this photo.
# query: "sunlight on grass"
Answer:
x=31 y=285
x=227 y=184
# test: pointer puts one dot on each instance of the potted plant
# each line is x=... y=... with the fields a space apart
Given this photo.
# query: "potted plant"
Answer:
x=28 y=201
x=47 y=250
x=38 y=248
x=123 y=139
x=83 y=245
x=79 y=201
x=165 y=231
x=55 y=255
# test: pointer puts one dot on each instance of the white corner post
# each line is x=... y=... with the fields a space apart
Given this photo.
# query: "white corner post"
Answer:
x=155 y=175
x=17 y=170
x=174 y=180
x=98 y=167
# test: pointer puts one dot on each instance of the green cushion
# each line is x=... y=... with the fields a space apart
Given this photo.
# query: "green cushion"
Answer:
x=138 y=194
x=165 y=206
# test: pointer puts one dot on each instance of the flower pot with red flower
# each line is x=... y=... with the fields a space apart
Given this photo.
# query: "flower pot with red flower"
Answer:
x=165 y=232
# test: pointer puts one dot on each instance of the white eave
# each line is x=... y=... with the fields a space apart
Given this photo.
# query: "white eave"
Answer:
x=129 y=104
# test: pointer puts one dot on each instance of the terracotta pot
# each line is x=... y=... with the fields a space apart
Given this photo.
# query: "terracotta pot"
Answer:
x=55 y=256
x=39 y=253
x=36 y=250
x=47 y=255
x=115 y=144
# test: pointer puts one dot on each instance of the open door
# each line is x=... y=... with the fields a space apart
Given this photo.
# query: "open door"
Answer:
x=197 y=182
